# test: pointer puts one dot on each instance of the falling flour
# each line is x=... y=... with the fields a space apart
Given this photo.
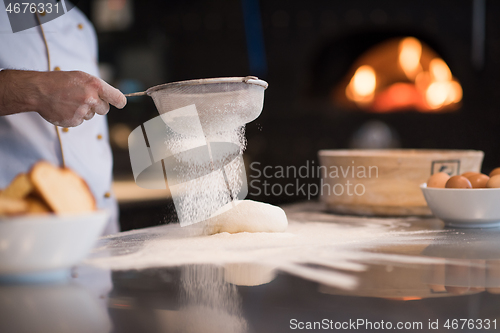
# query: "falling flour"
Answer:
x=206 y=171
x=321 y=247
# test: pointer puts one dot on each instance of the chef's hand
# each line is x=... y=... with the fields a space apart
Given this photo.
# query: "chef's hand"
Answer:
x=62 y=98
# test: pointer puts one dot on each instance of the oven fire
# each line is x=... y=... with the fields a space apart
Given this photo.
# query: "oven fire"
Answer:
x=400 y=74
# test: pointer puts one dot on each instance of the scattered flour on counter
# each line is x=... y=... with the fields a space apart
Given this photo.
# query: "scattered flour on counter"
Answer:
x=324 y=251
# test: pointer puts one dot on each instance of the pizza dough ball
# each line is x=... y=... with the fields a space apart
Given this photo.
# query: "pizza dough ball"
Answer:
x=248 y=216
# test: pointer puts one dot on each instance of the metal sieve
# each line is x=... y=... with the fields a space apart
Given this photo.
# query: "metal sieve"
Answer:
x=199 y=150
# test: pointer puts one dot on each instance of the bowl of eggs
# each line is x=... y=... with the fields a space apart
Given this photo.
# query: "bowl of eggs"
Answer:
x=469 y=200
x=385 y=182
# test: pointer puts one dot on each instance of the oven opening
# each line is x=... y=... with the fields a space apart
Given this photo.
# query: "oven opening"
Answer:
x=399 y=74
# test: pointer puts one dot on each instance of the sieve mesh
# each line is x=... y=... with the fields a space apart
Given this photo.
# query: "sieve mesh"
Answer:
x=221 y=104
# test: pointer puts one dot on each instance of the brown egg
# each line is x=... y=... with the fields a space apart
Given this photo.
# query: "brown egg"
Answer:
x=495 y=171
x=494 y=182
x=479 y=180
x=438 y=180
x=469 y=173
x=458 y=182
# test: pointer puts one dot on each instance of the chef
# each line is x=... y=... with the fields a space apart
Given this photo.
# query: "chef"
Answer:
x=53 y=105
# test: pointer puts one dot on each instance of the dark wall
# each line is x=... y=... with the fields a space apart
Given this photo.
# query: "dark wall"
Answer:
x=308 y=46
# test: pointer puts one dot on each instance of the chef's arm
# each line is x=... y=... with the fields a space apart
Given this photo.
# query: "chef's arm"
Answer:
x=62 y=98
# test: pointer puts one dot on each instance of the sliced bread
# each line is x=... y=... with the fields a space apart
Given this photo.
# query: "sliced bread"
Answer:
x=61 y=188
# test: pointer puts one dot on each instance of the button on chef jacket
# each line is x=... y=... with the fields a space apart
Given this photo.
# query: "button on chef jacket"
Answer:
x=26 y=138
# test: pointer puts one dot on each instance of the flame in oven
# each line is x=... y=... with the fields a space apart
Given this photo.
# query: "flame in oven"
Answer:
x=361 y=89
x=410 y=50
x=402 y=74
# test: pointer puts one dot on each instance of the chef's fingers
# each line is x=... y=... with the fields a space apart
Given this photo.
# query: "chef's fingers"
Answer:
x=101 y=107
x=112 y=95
x=89 y=115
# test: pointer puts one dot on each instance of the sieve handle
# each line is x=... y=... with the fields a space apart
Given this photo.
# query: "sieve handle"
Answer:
x=248 y=78
x=142 y=93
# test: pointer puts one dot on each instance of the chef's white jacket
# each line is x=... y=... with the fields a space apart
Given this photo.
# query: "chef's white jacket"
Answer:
x=26 y=138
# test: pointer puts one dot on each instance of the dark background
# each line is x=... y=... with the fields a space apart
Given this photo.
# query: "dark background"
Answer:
x=303 y=49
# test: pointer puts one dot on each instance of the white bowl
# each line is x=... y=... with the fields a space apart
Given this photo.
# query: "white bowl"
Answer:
x=44 y=244
x=54 y=308
x=464 y=208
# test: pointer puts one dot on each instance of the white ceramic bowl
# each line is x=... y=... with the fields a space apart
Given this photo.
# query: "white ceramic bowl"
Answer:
x=44 y=244
x=465 y=208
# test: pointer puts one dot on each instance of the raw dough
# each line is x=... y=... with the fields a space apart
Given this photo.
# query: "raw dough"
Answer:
x=248 y=216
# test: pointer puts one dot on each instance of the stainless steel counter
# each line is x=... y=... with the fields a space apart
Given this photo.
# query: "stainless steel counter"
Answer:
x=450 y=277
